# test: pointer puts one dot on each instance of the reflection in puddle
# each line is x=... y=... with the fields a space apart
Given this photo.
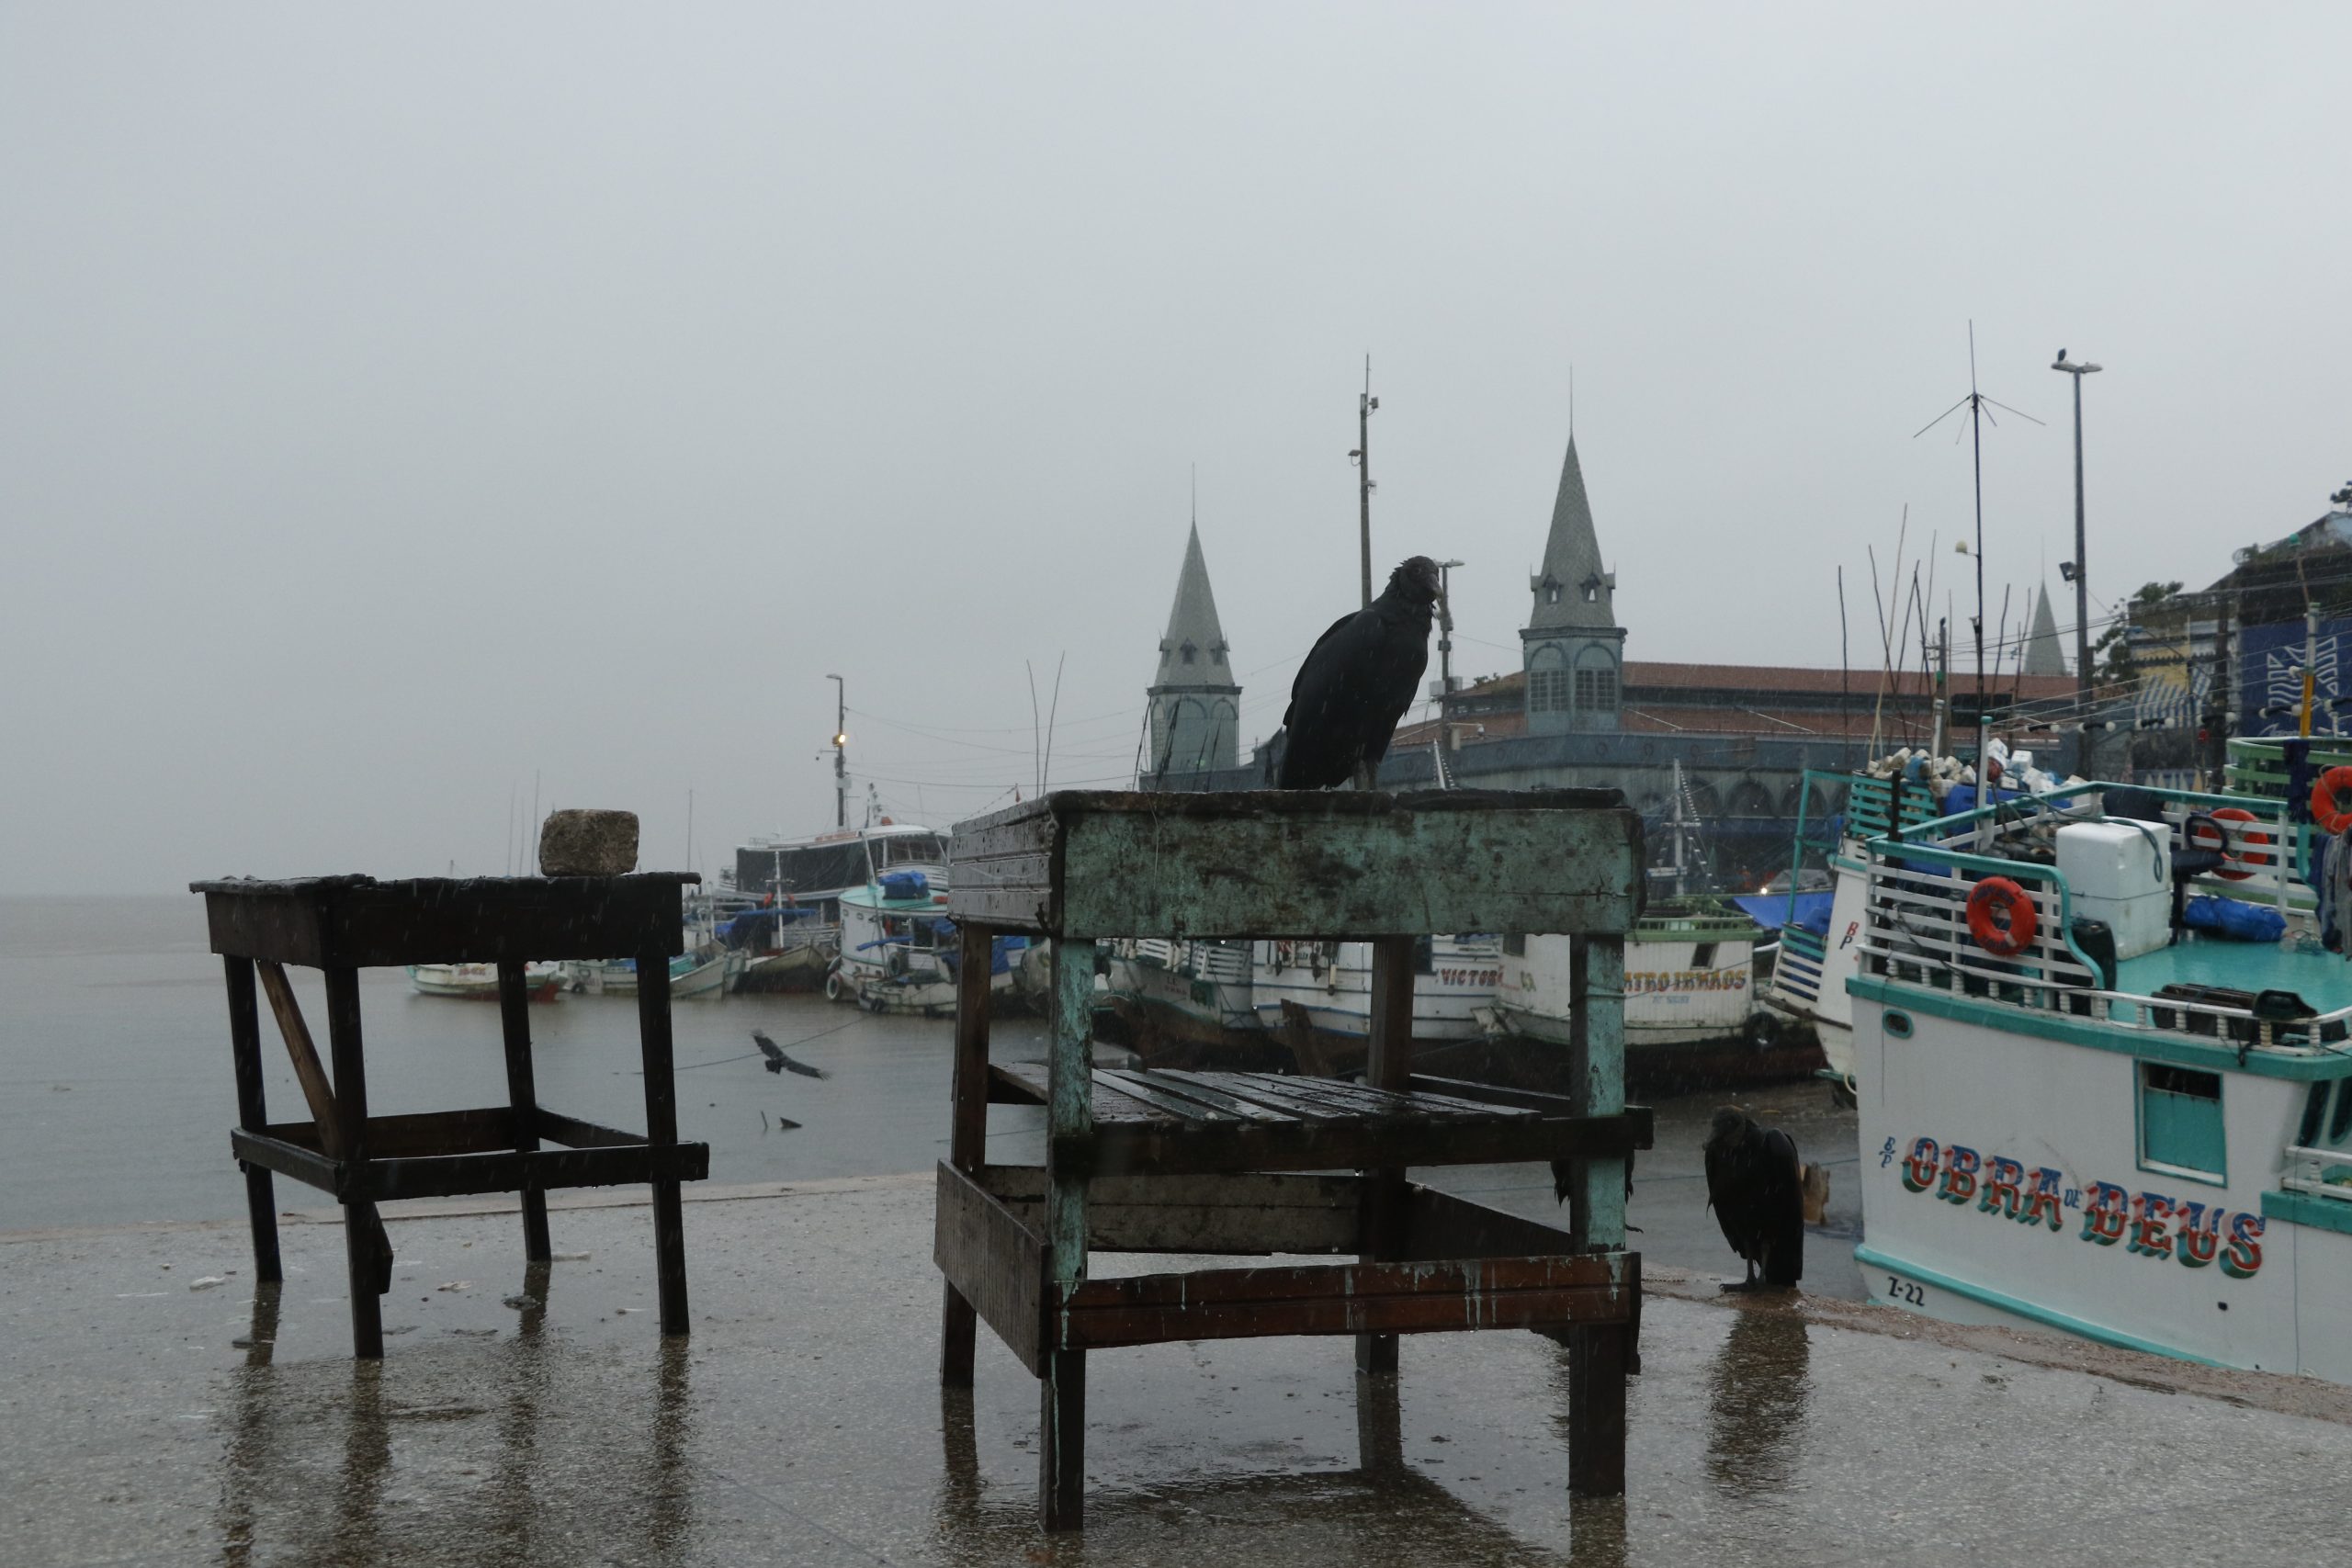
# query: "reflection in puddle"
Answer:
x=522 y=1445
x=1756 y=1404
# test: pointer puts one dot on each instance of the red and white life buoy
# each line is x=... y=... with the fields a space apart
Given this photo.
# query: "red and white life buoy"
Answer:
x=2002 y=918
x=2242 y=860
x=2333 y=785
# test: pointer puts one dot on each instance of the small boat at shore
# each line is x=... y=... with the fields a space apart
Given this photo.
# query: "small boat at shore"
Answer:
x=1186 y=1005
x=900 y=950
x=1316 y=998
x=478 y=982
x=1690 y=1009
x=703 y=972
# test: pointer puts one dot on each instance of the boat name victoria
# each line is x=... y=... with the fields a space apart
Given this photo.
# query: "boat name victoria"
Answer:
x=2144 y=1221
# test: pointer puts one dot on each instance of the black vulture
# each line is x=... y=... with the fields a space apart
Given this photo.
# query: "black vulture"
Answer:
x=778 y=1061
x=1357 y=682
x=1755 y=1186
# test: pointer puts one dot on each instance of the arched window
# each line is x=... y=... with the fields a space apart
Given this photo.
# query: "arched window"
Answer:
x=1547 y=681
x=1596 y=687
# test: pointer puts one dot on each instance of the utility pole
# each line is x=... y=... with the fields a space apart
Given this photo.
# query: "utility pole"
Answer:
x=2081 y=575
x=1446 y=647
x=1363 y=455
x=841 y=751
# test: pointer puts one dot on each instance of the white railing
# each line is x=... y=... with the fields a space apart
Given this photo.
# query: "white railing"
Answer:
x=2307 y=1171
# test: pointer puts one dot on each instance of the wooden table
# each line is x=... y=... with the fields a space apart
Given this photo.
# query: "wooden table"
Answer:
x=341 y=924
x=1253 y=1164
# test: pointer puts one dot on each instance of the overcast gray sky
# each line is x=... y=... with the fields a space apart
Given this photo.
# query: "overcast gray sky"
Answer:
x=398 y=402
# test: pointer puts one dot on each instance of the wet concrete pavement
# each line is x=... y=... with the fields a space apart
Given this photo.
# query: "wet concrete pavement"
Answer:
x=148 y=1415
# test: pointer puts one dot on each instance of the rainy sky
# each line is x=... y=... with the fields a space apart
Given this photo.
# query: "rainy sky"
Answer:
x=403 y=405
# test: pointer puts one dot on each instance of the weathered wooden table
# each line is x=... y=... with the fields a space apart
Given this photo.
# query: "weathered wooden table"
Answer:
x=343 y=924
x=1243 y=1163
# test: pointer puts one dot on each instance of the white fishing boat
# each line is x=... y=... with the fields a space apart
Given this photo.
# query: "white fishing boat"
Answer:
x=2082 y=1105
x=782 y=898
x=1186 y=1004
x=478 y=982
x=702 y=971
x=900 y=950
x=1690 y=1009
x=1807 y=984
x=1316 y=996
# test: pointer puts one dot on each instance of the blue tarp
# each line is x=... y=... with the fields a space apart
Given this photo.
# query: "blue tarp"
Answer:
x=1770 y=910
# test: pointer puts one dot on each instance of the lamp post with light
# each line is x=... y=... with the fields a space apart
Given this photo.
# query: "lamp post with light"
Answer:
x=841 y=751
x=2080 y=573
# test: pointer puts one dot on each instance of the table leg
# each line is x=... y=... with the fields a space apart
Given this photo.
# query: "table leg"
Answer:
x=1598 y=1354
x=662 y=1132
x=522 y=1093
x=967 y=1131
x=252 y=1114
x=1070 y=1116
x=1389 y=1064
x=365 y=1254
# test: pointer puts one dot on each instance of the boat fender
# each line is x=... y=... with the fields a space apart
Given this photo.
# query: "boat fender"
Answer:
x=2333 y=784
x=834 y=984
x=2017 y=924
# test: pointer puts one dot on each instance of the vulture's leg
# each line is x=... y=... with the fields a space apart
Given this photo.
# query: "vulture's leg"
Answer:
x=1744 y=1285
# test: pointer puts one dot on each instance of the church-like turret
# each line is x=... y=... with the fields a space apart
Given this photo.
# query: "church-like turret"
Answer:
x=1572 y=646
x=1195 y=703
x=2043 y=654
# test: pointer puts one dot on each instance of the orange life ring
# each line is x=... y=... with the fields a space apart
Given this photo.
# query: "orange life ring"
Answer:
x=2015 y=932
x=2333 y=784
x=2242 y=860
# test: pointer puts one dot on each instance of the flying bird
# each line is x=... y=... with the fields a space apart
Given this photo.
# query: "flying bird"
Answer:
x=1755 y=1186
x=778 y=1061
x=1357 y=682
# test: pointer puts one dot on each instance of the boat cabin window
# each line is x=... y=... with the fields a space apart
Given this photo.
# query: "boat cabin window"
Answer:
x=2314 y=1115
x=2340 y=1125
x=1425 y=955
x=2181 y=1121
x=1515 y=945
x=1703 y=955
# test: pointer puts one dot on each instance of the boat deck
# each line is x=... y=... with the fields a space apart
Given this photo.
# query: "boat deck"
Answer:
x=2322 y=979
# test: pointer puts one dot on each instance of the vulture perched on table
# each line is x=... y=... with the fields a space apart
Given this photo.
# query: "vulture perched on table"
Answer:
x=1357 y=682
x=1755 y=1186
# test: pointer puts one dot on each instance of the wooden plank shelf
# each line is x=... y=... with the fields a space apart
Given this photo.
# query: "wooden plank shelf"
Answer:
x=1306 y=1125
x=1255 y=1164
x=341 y=924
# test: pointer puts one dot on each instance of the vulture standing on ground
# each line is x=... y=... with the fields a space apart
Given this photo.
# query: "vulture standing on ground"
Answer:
x=1357 y=682
x=1756 y=1185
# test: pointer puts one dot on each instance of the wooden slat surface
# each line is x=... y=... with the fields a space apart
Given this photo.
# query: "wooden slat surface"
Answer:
x=1025 y=1082
x=1360 y=1298
x=995 y=1261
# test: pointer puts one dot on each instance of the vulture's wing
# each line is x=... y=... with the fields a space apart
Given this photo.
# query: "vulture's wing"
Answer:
x=768 y=1047
x=1780 y=1192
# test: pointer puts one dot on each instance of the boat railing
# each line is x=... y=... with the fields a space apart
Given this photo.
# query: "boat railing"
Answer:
x=1919 y=934
x=2321 y=1173
x=1797 y=972
x=1919 y=926
x=1219 y=962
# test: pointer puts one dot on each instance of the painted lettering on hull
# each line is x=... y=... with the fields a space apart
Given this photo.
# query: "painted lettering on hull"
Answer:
x=2154 y=1225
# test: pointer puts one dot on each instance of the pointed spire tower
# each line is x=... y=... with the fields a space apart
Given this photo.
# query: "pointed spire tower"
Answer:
x=1195 y=702
x=2043 y=654
x=1572 y=646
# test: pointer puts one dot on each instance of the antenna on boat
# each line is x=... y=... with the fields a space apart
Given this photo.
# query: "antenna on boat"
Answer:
x=1975 y=402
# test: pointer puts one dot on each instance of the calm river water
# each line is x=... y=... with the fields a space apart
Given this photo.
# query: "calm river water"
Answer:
x=116 y=1098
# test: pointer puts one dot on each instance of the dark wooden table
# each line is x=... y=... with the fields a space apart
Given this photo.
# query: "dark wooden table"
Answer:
x=1255 y=1164
x=340 y=925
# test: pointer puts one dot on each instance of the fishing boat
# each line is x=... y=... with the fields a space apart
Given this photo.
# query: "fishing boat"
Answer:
x=702 y=971
x=2104 y=1060
x=1185 y=1005
x=804 y=879
x=1690 y=1009
x=1316 y=998
x=900 y=950
x=478 y=982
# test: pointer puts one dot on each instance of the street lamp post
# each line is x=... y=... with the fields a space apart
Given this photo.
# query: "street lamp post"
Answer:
x=2081 y=577
x=841 y=751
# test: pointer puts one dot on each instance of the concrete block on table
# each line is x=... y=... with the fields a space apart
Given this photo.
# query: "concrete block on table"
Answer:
x=583 y=842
